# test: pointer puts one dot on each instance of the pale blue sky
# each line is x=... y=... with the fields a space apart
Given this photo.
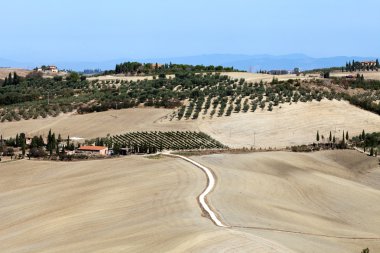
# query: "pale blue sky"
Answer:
x=89 y=30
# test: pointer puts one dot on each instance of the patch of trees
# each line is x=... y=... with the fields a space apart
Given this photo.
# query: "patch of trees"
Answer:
x=136 y=68
x=368 y=141
x=37 y=146
x=359 y=66
x=12 y=79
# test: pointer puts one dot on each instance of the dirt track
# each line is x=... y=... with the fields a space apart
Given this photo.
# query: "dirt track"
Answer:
x=211 y=182
x=124 y=205
x=322 y=202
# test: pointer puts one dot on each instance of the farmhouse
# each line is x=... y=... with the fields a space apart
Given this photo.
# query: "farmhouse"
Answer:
x=52 y=69
x=368 y=64
x=96 y=150
x=48 y=69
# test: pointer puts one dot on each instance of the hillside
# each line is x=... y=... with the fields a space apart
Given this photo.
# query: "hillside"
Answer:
x=289 y=125
x=4 y=72
x=115 y=206
x=123 y=205
x=310 y=201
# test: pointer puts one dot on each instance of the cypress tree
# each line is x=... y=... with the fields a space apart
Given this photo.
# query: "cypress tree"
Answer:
x=363 y=135
x=16 y=78
x=40 y=142
x=10 y=79
x=17 y=141
x=343 y=138
x=330 y=137
x=317 y=135
x=347 y=137
x=49 y=143
x=53 y=143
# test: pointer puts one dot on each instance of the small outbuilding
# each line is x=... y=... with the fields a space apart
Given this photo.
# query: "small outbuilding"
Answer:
x=93 y=150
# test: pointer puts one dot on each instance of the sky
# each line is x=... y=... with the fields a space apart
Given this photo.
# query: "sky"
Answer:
x=98 y=30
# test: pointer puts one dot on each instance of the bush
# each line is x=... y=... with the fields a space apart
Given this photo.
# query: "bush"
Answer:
x=9 y=151
x=37 y=152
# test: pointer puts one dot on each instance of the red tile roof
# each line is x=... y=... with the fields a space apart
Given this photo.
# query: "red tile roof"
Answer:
x=92 y=148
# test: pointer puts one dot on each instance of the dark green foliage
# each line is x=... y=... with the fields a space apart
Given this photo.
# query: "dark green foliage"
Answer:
x=136 y=68
x=371 y=140
x=181 y=112
x=147 y=142
x=229 y=110
x=365 y=250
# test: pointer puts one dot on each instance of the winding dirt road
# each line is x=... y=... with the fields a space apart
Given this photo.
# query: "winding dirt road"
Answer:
x=210 y=186
x=215 y=219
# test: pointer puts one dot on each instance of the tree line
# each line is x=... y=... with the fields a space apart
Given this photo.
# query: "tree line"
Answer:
x=357 y=66
x=37 y=146
x=137 y=68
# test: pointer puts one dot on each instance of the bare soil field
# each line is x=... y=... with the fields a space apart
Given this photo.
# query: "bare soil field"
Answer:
x=123 y=78
x=4 y=72
x=132 y=204
x=321 y=202
x=119 y=77
x=294 y=124
x=95 y=124
x=374 y=75
x=256 y=77
x=250 y=77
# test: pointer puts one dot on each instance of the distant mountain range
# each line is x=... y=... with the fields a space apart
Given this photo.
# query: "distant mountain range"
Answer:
x=241 y=62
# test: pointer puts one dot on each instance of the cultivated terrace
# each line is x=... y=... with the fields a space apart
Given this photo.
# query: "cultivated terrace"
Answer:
x=192 y=94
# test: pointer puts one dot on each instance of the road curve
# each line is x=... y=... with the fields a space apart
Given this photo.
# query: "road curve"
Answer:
x=210 y=186
x=211 y=214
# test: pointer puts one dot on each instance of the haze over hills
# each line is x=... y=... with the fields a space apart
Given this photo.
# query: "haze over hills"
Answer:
x=238 y=61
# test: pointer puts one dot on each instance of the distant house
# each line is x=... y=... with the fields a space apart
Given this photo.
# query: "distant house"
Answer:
x=368 y=64
x=52 y=69
x=93 y=150
x=48 y=69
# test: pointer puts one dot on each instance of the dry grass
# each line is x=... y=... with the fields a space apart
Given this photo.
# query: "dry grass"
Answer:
x=374 y=75
x=123 y=78
x=124 y=205
x=4 y=72
x=333 y=193
x=95 y=124
x=255 y=77
x=294 y=124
